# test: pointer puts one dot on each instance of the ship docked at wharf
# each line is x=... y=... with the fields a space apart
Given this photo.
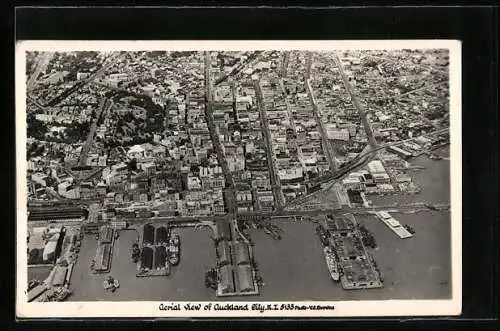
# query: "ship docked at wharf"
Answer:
x=174 y=250
x=332 y=263
x=346 y=256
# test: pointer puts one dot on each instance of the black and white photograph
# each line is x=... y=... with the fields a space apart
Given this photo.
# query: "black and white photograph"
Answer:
x=238 y=178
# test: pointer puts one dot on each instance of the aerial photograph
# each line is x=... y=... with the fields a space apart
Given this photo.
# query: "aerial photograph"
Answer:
x=269 y=175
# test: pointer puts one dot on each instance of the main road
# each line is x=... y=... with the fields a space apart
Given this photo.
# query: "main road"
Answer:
x=324 y=137
x=356 y=103
x=42 y=63
x=230 y=194
x=36 y=103
x=411 y=207
x=90 y=137
x=294 y=128
x=275 y=180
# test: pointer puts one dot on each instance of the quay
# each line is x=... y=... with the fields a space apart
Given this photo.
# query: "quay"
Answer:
x=393 y=224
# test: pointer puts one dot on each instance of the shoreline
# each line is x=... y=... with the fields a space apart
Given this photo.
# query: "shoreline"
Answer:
x=294 y=268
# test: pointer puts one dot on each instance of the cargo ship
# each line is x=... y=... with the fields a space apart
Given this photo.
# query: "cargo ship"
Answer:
x=332 y=264
x=167 y=268
x=174 y=250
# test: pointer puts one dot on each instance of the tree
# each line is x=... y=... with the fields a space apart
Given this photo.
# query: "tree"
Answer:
x=132 y=164
x=36 y=129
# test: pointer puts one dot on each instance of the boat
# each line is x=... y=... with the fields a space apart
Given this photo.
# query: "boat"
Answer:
x=175 y=239
x=271 y=232
x=430 y=206
x=174 y=250
x=110 y=284
x=107 y=285
x=167 y=268
x=332 y=264
x=322 y=233
x=173 y=257
x=435 y=157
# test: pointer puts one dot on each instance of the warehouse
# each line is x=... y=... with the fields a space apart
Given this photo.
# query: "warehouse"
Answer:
x=350 y=248
x=36 y=292
x=223 y=229
x=147 y=258
x=245 y=279
x=241 y=253
x=160 y=257
x=161 y=235
x=223 y=253
x=49 y=214
x=339 y=224
x=59 y=276
x=400 y=152
x=105 y=235
x=376 y=167
x=49 y=251
x=148 y=234
x=103 y=257
x=226 y=282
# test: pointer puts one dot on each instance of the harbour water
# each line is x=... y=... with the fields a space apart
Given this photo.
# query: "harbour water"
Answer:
x=294 y=268
x=414 y=268
x=186 y=281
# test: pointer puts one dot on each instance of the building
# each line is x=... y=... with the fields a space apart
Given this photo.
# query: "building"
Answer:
x=355 y=197
x=148 y=234
x=224 y=229
x=338 y=134
x=106 y=235
x=226 y=280
x=88 y=191
x=147 y=258
x=398 y=151
x=291 y=175
x=59 y=277
x=353 y=183
x=376 y=167
x=339 y=224
x=49 y=251
x=223 y=253
x=36 y=292
x=351 y=248
x=245 y=278
x=160 y=257
x=161 y=235
x=377 y=170
x=56 y=214
x=103 y=258
x=241 y=253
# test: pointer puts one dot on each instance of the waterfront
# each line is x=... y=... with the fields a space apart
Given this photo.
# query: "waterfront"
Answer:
x=416 y=268
x=39 y=273
x=294 y=268
x=434 y=181
x=186 y=281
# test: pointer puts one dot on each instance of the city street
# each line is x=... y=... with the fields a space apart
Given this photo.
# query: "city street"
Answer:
x=271 y=158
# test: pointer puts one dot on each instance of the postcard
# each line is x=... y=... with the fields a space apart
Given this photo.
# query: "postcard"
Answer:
x=240 y=178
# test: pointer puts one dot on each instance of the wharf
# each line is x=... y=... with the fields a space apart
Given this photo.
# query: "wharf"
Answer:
x=393 y=224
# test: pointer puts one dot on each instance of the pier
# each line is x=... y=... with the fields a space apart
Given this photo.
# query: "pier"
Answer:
x=393 y=224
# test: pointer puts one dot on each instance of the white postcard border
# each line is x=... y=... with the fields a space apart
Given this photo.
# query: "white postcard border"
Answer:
x=147 y=309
